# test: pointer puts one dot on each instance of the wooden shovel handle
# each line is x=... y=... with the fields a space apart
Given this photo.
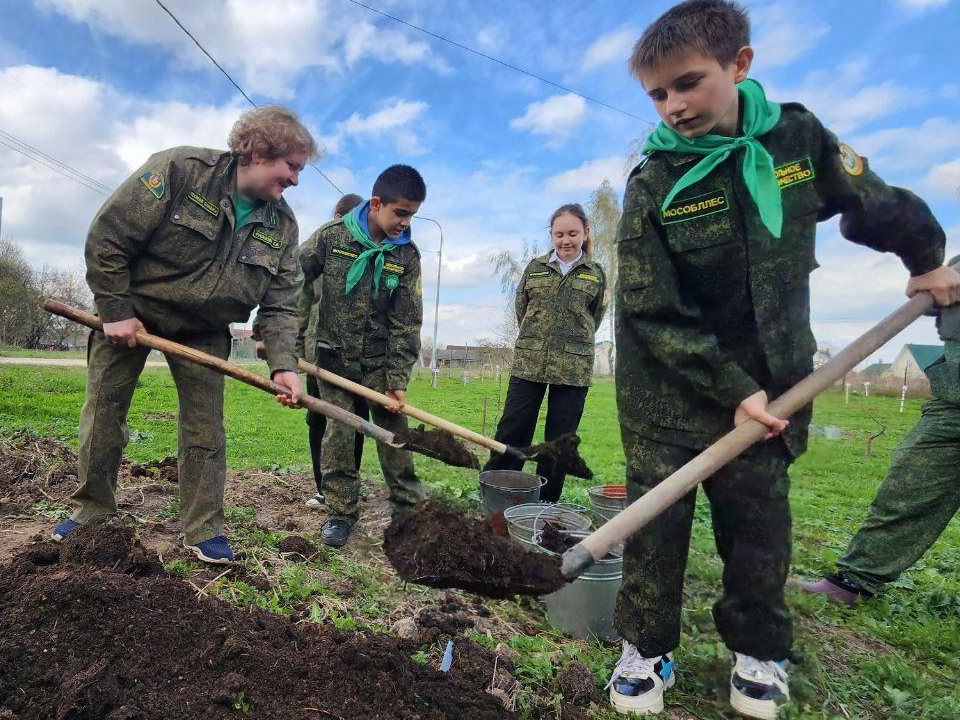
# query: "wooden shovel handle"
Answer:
x=168 y=347
x=666 y=493
x=409 y=410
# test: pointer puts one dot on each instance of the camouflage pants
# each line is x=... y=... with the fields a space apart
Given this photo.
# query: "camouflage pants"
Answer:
x=341 y=479
x=751 y=526
x=916 y=500
x=317 y=427
x=112 y=374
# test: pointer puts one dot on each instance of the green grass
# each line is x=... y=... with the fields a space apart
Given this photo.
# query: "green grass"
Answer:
x=14 y=351
x=894 y=658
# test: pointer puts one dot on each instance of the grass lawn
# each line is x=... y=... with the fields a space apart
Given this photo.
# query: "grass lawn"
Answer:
x=895 y=658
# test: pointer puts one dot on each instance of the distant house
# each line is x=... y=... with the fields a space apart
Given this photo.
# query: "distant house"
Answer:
x=603 y=358
x=242 y=345
x=872 y=373
x=912 y=360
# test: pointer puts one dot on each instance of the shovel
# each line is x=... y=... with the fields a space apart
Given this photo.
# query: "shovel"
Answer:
x=169 y=347
x=595 y=546
x=524 y=454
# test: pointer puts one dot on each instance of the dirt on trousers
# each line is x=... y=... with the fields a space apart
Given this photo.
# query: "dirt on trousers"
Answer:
x=437 y=546
x=94 y=629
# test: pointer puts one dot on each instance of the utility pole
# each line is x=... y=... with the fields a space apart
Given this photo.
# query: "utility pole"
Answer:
x=434 y=370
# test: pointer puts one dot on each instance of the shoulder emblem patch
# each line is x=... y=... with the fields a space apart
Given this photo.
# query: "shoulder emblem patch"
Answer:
x=204 y=204
x=794 y=173
x=155 y=183
x=696 y=207
x=419 y=287
x=266 y=238
x=851 y=162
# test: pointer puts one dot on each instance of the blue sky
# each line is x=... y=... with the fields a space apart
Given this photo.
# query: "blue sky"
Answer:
x=100 y=84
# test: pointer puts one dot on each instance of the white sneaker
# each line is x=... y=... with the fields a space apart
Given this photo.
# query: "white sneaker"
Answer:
x=758 y=687
x=637 y=683
x=316 y=501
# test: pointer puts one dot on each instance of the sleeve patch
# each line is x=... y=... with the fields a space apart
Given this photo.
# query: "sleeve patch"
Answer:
x=852 y=163
x=155 y=183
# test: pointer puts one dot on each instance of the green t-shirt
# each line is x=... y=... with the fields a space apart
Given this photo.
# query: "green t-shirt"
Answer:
x=243 y=209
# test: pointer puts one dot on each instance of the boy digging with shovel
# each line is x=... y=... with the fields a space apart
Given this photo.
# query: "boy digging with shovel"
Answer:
x=715 y=250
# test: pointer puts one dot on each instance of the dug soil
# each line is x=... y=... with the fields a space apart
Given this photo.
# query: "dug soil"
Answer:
x=94 y=629
x=437 y=546
x=439 y=444
x=565 y=454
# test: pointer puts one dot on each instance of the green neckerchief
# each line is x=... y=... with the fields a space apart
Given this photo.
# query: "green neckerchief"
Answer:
x=243 y=209
x=373 y=251
x=759 y=116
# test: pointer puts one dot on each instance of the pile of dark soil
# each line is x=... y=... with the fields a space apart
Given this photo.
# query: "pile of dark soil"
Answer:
x=297 y=547
x=564 y=453
x=556 y=539
x=32 y=469
x=85 y=634
x=165 y=469
x=575 y=683
x=439 y=444
x=436 y=546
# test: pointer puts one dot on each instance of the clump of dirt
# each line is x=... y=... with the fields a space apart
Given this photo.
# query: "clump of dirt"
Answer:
x=439 y=444
x=555 y=539
x=564 y=454
x=165 y=469
x=32 y=469
x=84 y=641
x=111 y=546
x=436 y=546
x=448 y=619
x=575 y=683
x=297 y=547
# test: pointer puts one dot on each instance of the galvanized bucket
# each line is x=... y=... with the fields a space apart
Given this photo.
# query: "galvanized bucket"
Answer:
x=584 y=608
x=606 y=501
x=501 y=489
x=525 y=522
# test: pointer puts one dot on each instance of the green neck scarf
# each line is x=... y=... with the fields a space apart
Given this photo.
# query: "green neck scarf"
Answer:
x=759 y=116
x=373 y=251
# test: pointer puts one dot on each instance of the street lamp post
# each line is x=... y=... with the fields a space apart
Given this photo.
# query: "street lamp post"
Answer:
x=434 y=370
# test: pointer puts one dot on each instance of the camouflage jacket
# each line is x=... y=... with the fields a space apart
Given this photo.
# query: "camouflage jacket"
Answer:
x=369 y=336
x=163 y=249
x=558 y=317
x=944 y=373
x=710 y=307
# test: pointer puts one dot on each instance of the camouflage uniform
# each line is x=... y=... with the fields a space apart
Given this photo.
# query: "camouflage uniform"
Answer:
x=711 y=309
x=558 y=316
x=921 y=492
x=163 y=249
x=371 y=337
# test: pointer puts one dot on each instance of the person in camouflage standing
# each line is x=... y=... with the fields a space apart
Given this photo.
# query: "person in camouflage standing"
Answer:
x=368 y=330
x=715 y=249
x=559 y=303
x=192 y=241
x=919 y=495
x=309 y=304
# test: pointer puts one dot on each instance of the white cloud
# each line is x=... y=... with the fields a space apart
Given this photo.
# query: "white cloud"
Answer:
x=843 y=99
x=268 y=48
x=944 y=179
x=783 y=33
x=908 y=148
x=921 y=4
x=612 y=47
x=556 y=117
x=394 y=120
x=588 y=176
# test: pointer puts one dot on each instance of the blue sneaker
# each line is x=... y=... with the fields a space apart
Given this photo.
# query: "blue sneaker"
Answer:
x=638 y=683
x=216 y=550
x=64 y=529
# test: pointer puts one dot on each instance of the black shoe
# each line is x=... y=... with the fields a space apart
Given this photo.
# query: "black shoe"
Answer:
x=335 y=533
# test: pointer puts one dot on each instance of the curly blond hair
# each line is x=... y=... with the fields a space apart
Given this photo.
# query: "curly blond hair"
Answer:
x=272 y=132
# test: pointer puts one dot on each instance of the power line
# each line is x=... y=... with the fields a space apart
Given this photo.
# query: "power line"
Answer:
x=52 y=159
x=491 y=58
x=232 y=81
x=54 y=168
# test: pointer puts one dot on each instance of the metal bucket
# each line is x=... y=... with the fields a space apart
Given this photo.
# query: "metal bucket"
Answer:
x=584 y=608
x=501 y=489
x=524 y=522
x=606 y=501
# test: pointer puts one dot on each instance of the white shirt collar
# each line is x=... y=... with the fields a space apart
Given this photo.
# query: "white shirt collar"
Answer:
x=565 y=267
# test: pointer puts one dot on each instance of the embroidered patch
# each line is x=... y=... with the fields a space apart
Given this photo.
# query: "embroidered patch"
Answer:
x=794 y=173
x=851 y=162
x=585 y=276
x=343 y=252
x=392 y=282
x=393 y=267
x=696 y=207
x=204 y=204
x=419 y=288
x=155 y=183
x=539 y=273
x=266 y=238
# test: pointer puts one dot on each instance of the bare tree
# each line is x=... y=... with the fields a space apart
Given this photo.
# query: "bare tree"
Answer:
x=509 y=267
x=603 y=210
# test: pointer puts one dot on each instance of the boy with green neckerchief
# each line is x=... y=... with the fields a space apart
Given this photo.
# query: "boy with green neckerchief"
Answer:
x=370 y=311
x=715 y=249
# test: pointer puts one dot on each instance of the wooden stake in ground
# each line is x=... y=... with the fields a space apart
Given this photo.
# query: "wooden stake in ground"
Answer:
x=450 y=456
